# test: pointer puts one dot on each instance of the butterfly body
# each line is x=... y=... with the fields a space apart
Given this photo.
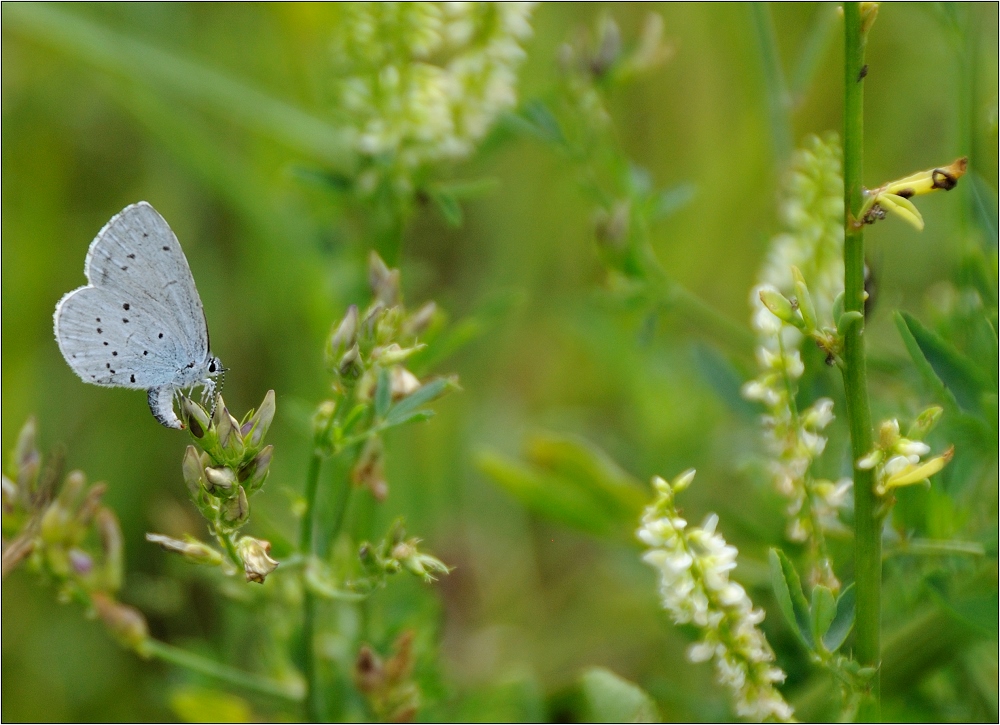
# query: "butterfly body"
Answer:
x=139 y=322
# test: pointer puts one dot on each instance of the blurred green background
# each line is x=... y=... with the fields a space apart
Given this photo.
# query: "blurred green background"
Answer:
x=277 y=260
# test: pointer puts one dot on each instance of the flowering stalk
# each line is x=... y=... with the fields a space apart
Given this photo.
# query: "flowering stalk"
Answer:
x=788 y=310
x=694 y=565
x=858 y=18
x=372 y=391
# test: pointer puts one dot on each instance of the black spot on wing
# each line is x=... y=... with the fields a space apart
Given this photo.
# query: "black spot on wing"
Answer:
x=125 y=306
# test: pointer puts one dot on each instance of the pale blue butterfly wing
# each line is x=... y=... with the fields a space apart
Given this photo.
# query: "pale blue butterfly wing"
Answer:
x=139 y=323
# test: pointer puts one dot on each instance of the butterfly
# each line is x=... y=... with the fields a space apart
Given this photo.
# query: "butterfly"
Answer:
x=139 y=322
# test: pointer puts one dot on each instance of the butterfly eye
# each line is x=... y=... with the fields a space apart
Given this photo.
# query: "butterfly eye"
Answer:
x=211 y=367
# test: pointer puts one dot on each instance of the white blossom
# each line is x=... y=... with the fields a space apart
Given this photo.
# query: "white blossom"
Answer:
x=694 y=565
x=423 y=82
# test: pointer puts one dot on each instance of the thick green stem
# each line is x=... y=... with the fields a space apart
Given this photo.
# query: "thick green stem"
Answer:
x=868 y=521
x=223 y=673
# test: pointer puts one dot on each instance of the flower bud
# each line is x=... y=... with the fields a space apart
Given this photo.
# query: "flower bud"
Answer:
x=236 y=510
x=387 y=325
x=683 y=480
x=369 y=676
x=229 y=433
x=888 y=434
x=925 y=423
x=113 y=548
x=349 y=367
x=393 y=354
x=420 y=320
x=402 y=382
x=256 y=562
x=384 y=282
x=194 y=474
x=27 y=459
x=424 y=566
x=369 y=470
x=220 y=481
x=190 y=548
x=611 y=229
x=805 y=302
x=255 y=425
x=126 y=623
x=254 y=473
x=197 y=417
x=344 y=336
x=780 y=307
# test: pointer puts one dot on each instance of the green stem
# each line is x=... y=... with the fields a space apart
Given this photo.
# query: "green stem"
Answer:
x=868 y=522
x=695 y=311
x=306 y=543
x=223 y=673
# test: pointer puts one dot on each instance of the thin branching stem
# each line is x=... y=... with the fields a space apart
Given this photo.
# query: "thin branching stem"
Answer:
x=247 y=681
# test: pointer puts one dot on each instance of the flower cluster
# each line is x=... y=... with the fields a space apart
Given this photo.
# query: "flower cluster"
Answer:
x=423 y=82
x=397 y=553
x=373 y=390
x=786 y=309
x=694 y=565
x=66 y=534
x=899 y=460
x=231 y=467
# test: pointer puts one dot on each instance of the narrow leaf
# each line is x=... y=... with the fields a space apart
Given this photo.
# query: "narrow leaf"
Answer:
x=547 y=495
x=791 y=600
x=822 y=611
x=842 y=622
x=959 y=374
x=425 y=394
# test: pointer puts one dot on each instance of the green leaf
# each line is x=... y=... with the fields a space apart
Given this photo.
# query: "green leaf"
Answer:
x=791 y=600
x=449 y=207
x=536 y=119
x=606 y=697
x=403 y=411
x=958 y=374
x=383 y=394
x=822 y=611
x=842 y=622
x=153 y=68
x=583 y=465
x=548 y=496
x=923 y=367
